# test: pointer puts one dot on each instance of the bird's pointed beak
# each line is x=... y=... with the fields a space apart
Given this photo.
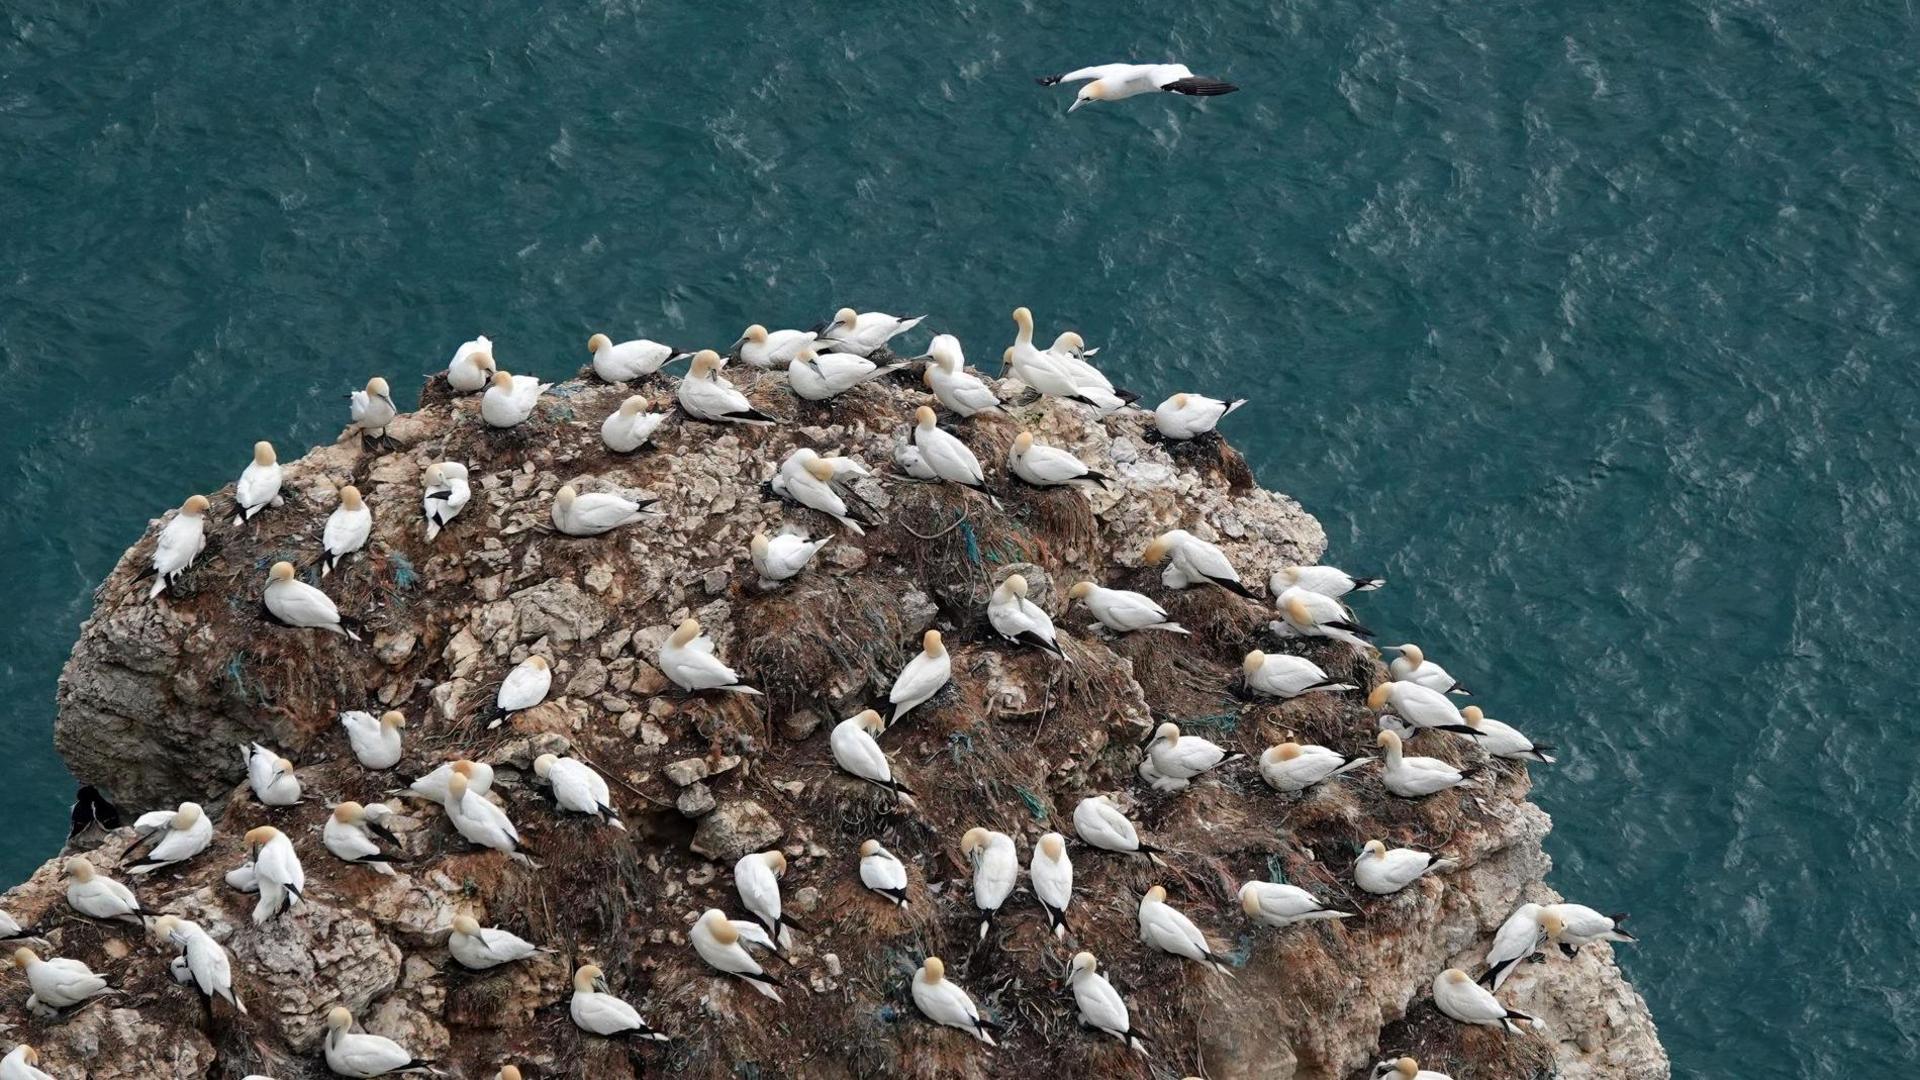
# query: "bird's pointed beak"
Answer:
x=1077 y=102
x=734 y=349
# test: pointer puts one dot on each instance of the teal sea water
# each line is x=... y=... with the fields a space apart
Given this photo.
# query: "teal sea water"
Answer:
x=1591 y=324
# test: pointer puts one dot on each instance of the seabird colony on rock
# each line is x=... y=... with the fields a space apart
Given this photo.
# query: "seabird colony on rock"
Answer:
x=832 y=358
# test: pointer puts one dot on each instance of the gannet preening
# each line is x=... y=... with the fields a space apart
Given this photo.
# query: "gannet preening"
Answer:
x=1517 y=939
x=97 y=896
x=1572 y=925
x=962 y=392
x=445 y=496
x=1306 y=613
x=1046 y=466
x=1116 y=82
x=1101 y=1007
x=855 y=750
x=923 y=676
x=1163 y=928
x=524 y=687
x=1405 y=1068
x=1019 y=619
x=1050 y=872
x=811 y=485
x=376 y=743
x=756 y=877
x=595 y=512
x=283 y=881
x=1458 y=996
x=1292 y=768
x=818 y=376
x=1413 y=666
x=22 y=1063
x=511 y=398
x=1503 y=740
x=372 y=409
x=299 y=605
x=996 y=868
x=478 y=948
x=882 y=873
x=480 y=821
x=1285 y=676
x=259 y=484
x=783 y=556
x=1192 y=561
x=1420 y=707
x=182 y=541
x=1412 y=777
x=1044 y=372
x=1069 y=353
x=628 y=360
x=182 y=834
x=946 y=455
x=761 y=348
x=1121 y=610
x=1189 y=416
x=270 y=776
x=717 y=939
x=1173 y=759
x=434 y=786
x=945 y=1003
x=346 y=530
x=628 y=428
x=860 y=333
x=1383 y=872
x=1274 y=903
x=58 y=983
x=10 y=928
x=599 y=1013
x=578 y=788
x=687 y=658
x=703 y=395
x=471 y=368
x=1325 y=580
x=205 y=961
x=1100 y=824
x=361 y=1055
x=348 y=835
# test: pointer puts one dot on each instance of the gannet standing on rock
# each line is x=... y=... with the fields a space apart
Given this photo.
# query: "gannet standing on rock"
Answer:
x=1305 y=613
x=628 y=428
x=717 y=939
x=376 y=743
x=882 y=873
x=1517 y=939
x=373 y=410
x=1173 y=759
x=203 y=962
x=471 y=368
x=22 y=1063
x=599 y=1013
x=346 y=531
x=299 y=605
x=1117 y=82
x=482 y=823
x=1406 y=1069
x=361 y=1055
x=1100 y=824
x=703 y=395
x=756 y=877
x=1192 y=561
x=1189 y=416
x=270 y=776
x=855 y=750
x=183 y=833
x=1572 y=925
x=1413 y=666
x=524 y=687
x=511 y=398
x=1020 y=620
x=578 y=788
x=182 y=541
x=761 y=348
x=594 y=513
x=996 y=868
x=1122 y=610
x=922 y=678
x=1503 y=740
x=1046 y=466
x=860 y=333
x=1274 y=903
x=1456 y=995
x=348 y=836
x=1044 y=372
x=259 y=484
x=1069 y=353
x=1285 y=676
x=446 y=494
x=962 y=392
x=946 y=455
x=1384 y=872
x=811 y=485
x=942 y=1002
x=435 y=785
x=1101 y=1007
x=478 y=948
x=1292 y=768
x=1420 y=707
x=1050 y=872
x=817 y=376
x=687 y=658
x=283 y=881
x=97 y=896
x=1325 y=580
x=58 y=983
x=1165 y=929
x=628 y=360
x=1414 y=777
x=782 y=557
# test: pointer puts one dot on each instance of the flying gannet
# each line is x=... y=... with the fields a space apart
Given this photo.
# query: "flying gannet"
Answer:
x=687 y=658
x=259 y=484
x=1123 y=611
x=1383 y=871
x=943 y=1002
x=1116 y=82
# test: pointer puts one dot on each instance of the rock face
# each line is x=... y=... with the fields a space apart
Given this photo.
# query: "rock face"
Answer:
x=157 y=696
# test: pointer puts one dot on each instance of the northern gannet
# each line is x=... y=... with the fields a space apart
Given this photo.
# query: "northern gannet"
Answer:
x=1406 y=1068
x=482 y=823
x=578 y=788
x=756 y=877
x=434 y=786
x=376 y=743
x=923 y=676
x=1306 y=613
x=1413 y=666
x=1285 y=676
x=97 y=896
x=1020 y=620
x=1419 y=706
x=1383 y=871
x=1165 y=929
x=445 y=495
x=1100 y=824
x=270 y=776
x=361 y=1055
x=761 y=348
x=1325 y=580
x=22 y=1063
x=818 y=376
x=860 y=333
x=524 y=687
x=182 y=541
x=349 y=835
x=595 y=512
x=58 y=983
x=242 y=878
x=687 y=658
x=1044 y=372
x=1116 y=82
x=1192 y=561
x=10 y=928
x=1050 y=872
x=703 y=395
x=718 y=941
x=283 y=881
x=259 y=484
x=1274 y=903
x=1101 y=1007
x=1189 y=416
x=297 y=604
x=478 y=948
x=942 y=1002
x=882 y=873
x=1456 y=995
x=1517 y=939
x=1046 y=466
x=1503 y=740
x=1293 y=768
x=628 y=360
x=1122 y=610
x=947 y=456
x=996 y=868
x=599 y=1013
x=346 y=530
x=205 y=960
x=782 y=556
x=1069 y=353
x=811 y=485
x=1415 y=776
x=907 y=456
x=962 y=392
x=471 y=368
x=855 y=750
x=1173 y=759
x=182 y=834
x=1572 y=925
x=511 y=398
x=628 y=428
x=372 y=409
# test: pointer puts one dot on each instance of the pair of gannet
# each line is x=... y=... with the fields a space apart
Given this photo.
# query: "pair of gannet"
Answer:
x=346 y=531
x=705 y=395
x=1099 y=823
x=481 y=822
x=1173 y=759
x=1050 y=872
x=598 y=1012
x=259 y=484
x=270 y=776
x=1413 y=666
x=942 y=1001
x=1188 y=416
x=295 y=603
x=472 y=366
x=1305 y=613
x=1456 y=995
x=722 y=943
x=1020 y=620
x=809 y=479
x=180 y=542
x=1117 y=82
x=628 y=427
x=756 y=877
x=577 y=788
x=1325 y=580
x=177 y=835
x=277 y=870
x=818 y=376
x=98 y=896
x=479 y=948
x=857 y=751
x=1164 y=928
x=438 y=784
x=996 y=869
x=628 y=360
x=372 y=409
x=882 y=873
x=511 y=399
x=1412 y=777
x=376 y=743
x=1277 y=904
x=686 y=658
x=1292 y=768
x=962 y=392
x=944 y=454
x=595 y=512
x=58 y=983
x=1384 y=871
x=1121 y=610
x=1046 y=466
x=1419 y=707
x=203 y=961
x=445 y=494
x=861 y=333
x=1192 y=561
x=350 y=835
x=1060 y=371
x=782 y=556
x=761 y=348
x=358 y=1054
x=1285 y=676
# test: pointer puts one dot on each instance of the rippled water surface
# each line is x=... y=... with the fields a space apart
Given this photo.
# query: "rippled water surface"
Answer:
x=1592 y=324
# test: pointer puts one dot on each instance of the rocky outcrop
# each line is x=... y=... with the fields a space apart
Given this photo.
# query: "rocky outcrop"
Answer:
x=158 y=695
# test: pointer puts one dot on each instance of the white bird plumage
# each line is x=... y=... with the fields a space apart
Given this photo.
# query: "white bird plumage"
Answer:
x=945 y=454
x=1164 y=928
x=1099 y=823
x=624 y=361
x=376 y=742
x=782 y=556
x=996 y=869
x=1189 y=416
x=1020 y=620
x=1305 y=613
x=270 y=776
x=628 y=427
x=857 y=751
x=1047 y=466
x=860 y=333
x=1518 y=938
x=204 y=960
x=598 y=1012
x=1283 y=675
x=592 y=513
x=808 y=479
x=1174 y=759
x=1325 y=580
x=1413 y=777
x=578 y=788
x=472 y=366
x=1456 y=995
x=940 y=1000
x=180 y=542
x=58 y=983
x=445 y=494
x=1274 y=903
x=705 y=395
x=756 y=877
x=478 y=820
x=1192 y=561
x=183 y=833
x=1384 y=871
x=1117 y=82
x=1292 y=768
x=1101 y=1006
x=358 y=1054
x=295 y=603
x=762 y=348
x=98 y=896
x=717 y=939
x=1123 y=611
x=1413 y=666
x=923 y=676
x=348 y=836
x=818 y=376
x=1050 y=872
x=962 y=392
x=686 y=657
x=881 y=872
x=478 y=948
x=259 y=484
x=372 y=409
x=510 y=400
x=276 y=866
x=1504 y=740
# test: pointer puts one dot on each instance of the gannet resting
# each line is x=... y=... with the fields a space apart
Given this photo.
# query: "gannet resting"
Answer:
x=471 y=368
x=783 y=556
x=794 y=465
x=1458 y=996
x=1044 y=372
x=182 y=541
x=300 y=605
x=1189 y=416
x=628 y=360
x=434 y=786
x=907 y=456
x=1517 y=939
x=703 y=395
x=1116 y=82
x=996 y=868
x=482 y=823
x=1050 y=872
x=1502 y=740
x=445 y=496
x=1100 y=824
x=1274 y=903
x=511 y=398
x=1572 y=925
x=1122 y=610
x=1384 y=872
x=947 y=456
x=717 y=939
x=595 y=512
x=1420 y=707
x=1414 y=777
x=882 y=873
x=348 y=835
x=97 y=896
x=811 y=485
x=1020 y=620
x=183 y=833
x=207 y=964
x=760 y=348
x=361 y=1055
x=346 y=530
x=818 y=376
x=1310 y=614
x=1325 y=580
x=478 y=948
x=242 y=878
x=856 y=751
x=578 y=788
x=1068 y=354
x=270 y=775
x=1413 y=666
x=961 y=391
x=1292 y=768
x=22 y=1063
x=945 y=1003
x=58 y=983
x=1101 y=1007
x=283 y=881
x=1405 y=1069
x=599 y=1013
x=1046 y=466
x=259 y=485
x=9 y=928
x=1163 y=928
x=376 y=743
x=628 y=428
x=373 y=409
x=687 y=658
x=863 y=332
x=756 y=877
x=1192 y=561
x=1173 y=759
x=922 y=678
x=1284 y=676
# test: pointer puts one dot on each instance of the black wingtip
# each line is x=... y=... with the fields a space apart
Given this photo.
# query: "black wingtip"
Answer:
x=1199 y=86
x=1234 y=587
x=1048 y=80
